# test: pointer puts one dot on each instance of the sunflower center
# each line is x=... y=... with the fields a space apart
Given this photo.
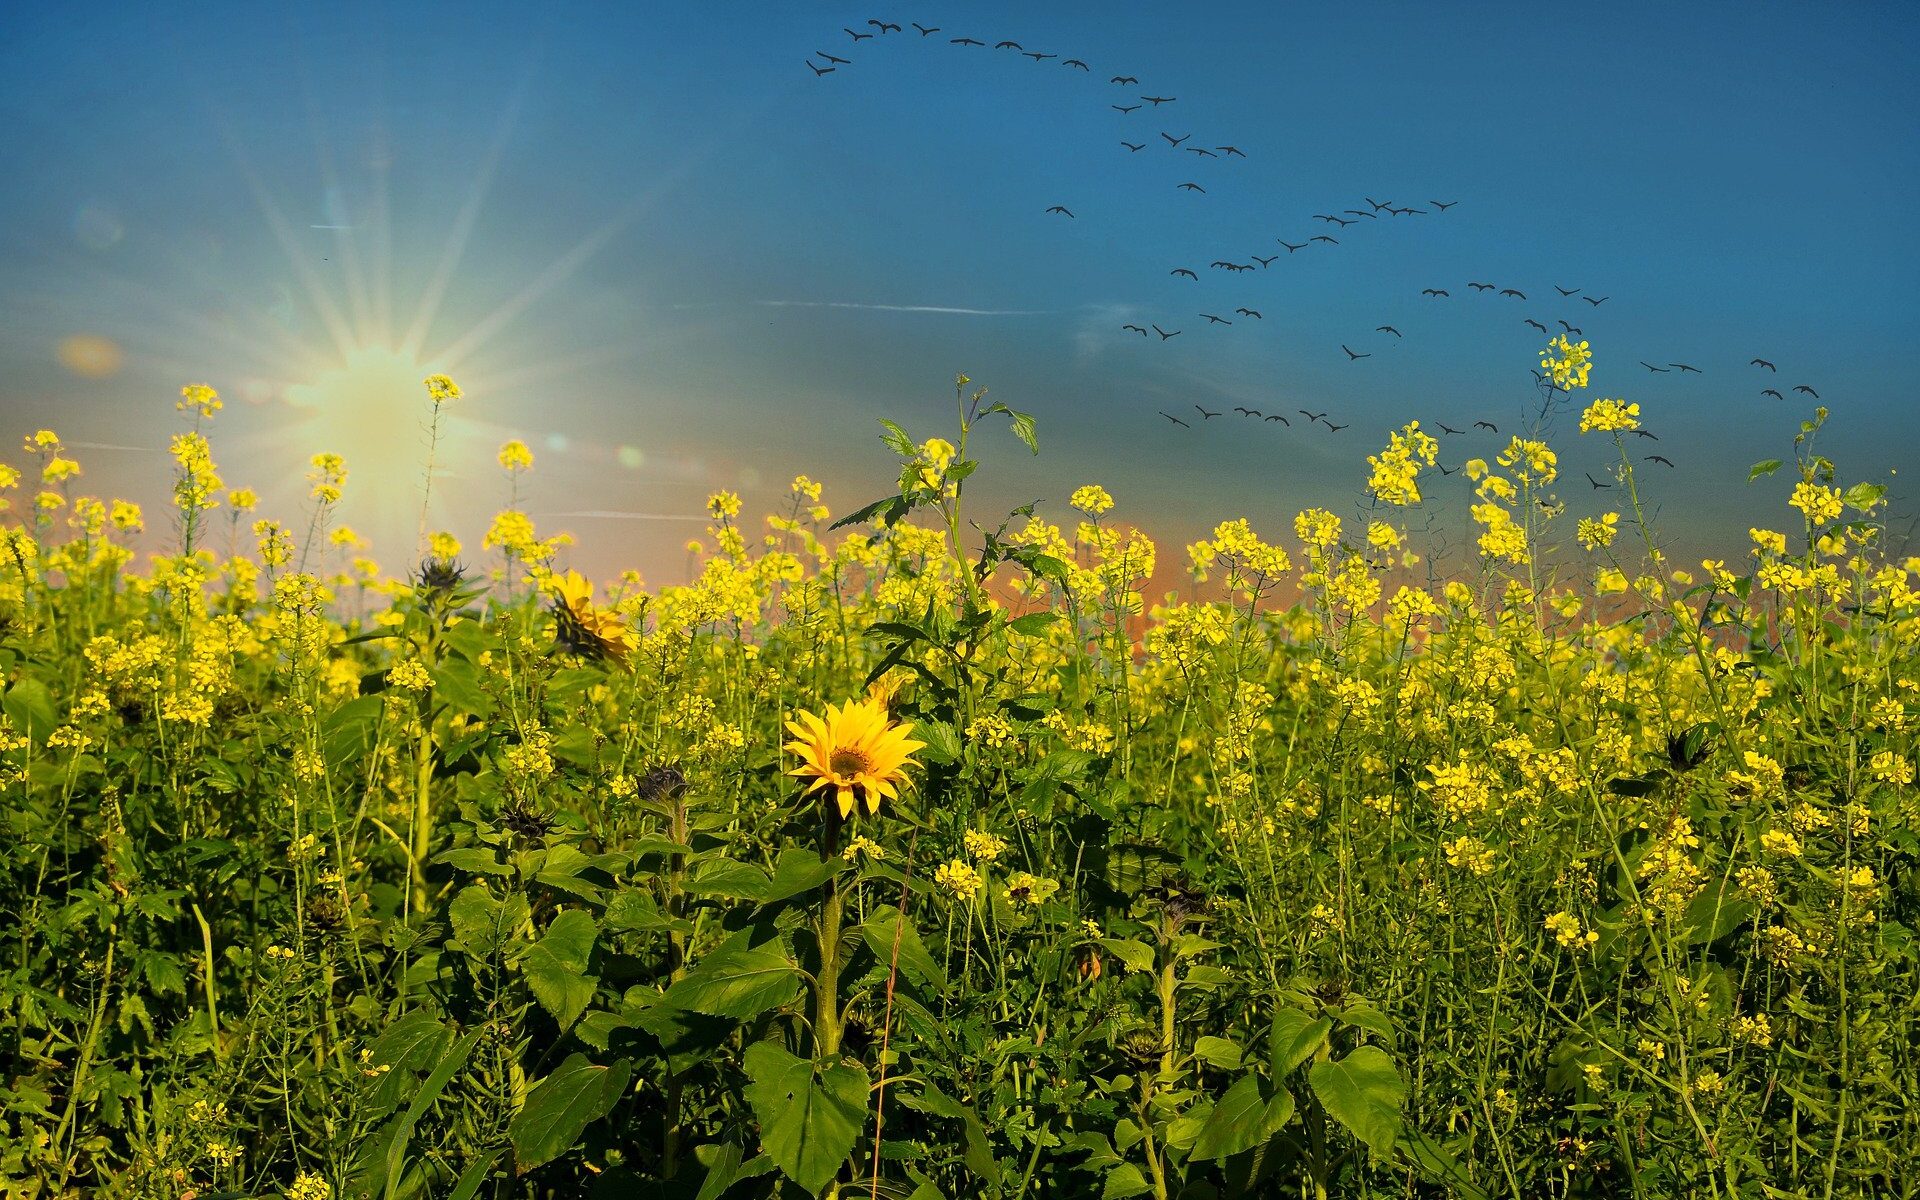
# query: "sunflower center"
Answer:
x=849 y=760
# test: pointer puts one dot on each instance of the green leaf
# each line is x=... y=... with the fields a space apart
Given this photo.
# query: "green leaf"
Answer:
x=886 y=928
x=474 y=860
x=29 y=705
x=1023 y=429
x=1369 y=1018
x=942 y=742
x=798 y=871
x=1863 y=496
x=449 y=1065
x=809 y=1118
x=1137 y=955
x=560 y=1108
x=555 y=966
x=1760 y=469
x=1123 y=1181
x=1295 y=1038
x=1362 y=1091
x=1033 y=624
x=482 y=924
x=457 y=682
x=1218 y=1052
x=1241 y=1120
x=729 y=880
x=737 y=981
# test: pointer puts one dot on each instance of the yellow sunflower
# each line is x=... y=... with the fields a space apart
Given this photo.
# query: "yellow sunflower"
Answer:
x=582 y=627
x=855 y=750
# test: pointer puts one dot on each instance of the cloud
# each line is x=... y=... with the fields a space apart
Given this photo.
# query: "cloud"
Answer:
x=906 y=308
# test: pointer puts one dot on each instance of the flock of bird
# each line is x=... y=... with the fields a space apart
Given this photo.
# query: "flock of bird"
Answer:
x=1338 y=219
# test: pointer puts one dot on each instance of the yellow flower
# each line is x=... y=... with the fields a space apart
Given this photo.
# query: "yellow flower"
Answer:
x=855 y=750
x=584 y=628
x=1609 y=416
x=723 y=505
x=1598 y=534
x=243 y=499
x=1092 y=500
x=443 y=547
x=515 y=456
x=198 y=399
x=1568 y=362
x=442 y=389
x=959 y=878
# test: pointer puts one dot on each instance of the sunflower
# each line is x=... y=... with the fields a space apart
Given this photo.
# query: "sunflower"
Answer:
x=583 y=628
x=855 y=749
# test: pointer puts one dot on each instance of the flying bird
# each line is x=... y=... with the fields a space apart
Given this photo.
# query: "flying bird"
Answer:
x=823 y=70
x=1172 y=140
x=1136 y=147
x=1202 y=151
x=1321 y=237
x=1434 y=292
x=1157 y=101
x=1649 y=366
x=1281 y=419
x=1009 y=46
x=832 y=59
x=1290 y=246
x=1183 y=271
x=1388 y=329
x=1446 y=470
x=1332 y=428
x=924 y=31
x=1486 y=425
x=1446 y=428
x=1216 y=320
x=1537 y=325
x=1772 y=392
x=1761 y=362
x=1074 y=62
x=1248 y=312
x=1193 y=187
x=1231 y=151
x=1596 y=303
x=1164 y=335
x=1264 y=262
x=1809 y=391
x=884 y=27
x=1483 y=287
x=1575 y=330
x=1351 y=356
x=1683 y=367
x=1123 y=108
x=1311 y=417
x=1136 y=329
x=1123 y=79
x=1566 y=291
x=1060 y=208
x=1657 y=458
x=1375 y=204
x=1246 y=412
x=1401 y=212
x=1513 y=292
x=1645 y=433
x=1036 y=56
x=858 y=37
x=1356 y=212
x=1205 y=415
x=1336 y=220
x=966 y=41
x=1443 y=207
x=1176 y=420
x=1598 y=486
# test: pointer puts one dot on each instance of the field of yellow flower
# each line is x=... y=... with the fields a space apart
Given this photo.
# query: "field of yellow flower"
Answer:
x=923 y=854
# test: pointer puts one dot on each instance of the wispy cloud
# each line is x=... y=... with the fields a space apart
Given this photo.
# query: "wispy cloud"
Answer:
x=614 y=515
x=906 y=308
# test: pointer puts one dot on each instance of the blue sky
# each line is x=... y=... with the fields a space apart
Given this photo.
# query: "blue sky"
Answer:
x=660 y=249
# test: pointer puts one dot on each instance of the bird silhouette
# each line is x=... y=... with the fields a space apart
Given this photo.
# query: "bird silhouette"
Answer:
x=1246 y=412
x=1290 y=246
x=1074 y=62
x=823 y=70
x=924 y=31
x=1388 y=329
x=884 y=27
x=1659 y=459
x=1375 y=204
x=1809 y=391
x=1403 y=212
x=1336 y=220
x=1218 y=263
x=966 y=41
x=1443 y=207
x=1761 y=362
x=1446 y=470
x=1193 y=187
x=1183 y=271
x=1231 y=151
x=1164 y=335
x=1123 y=79
x=1483 y=287
x=1123 y=108
x=1009 y=46
x=1248 y=312
x=1332 y=428
x=1486 y=425
x=1566 y=291
x=1575 y=330
x=1596 y=303
x=1683 y=367
x=1172 y=140
x=1311 y=417
x=1351 y=356
x=1136 y=147
x=843 y=62
x=1036 y=56
x=1264 y=262
x=1513 y=292
x=1446 y=428
x=1136 y=329
x=1060 y=208
x=1537 y=325
x=1357 y=212
x=1205 y=415
x=1281 y=419
x=1434 y=292
x=1216 y=320
x=1771 y=392
x=1645 y=433
x=1202 y=151
x=1649 y=366
x=1324 y=238
x=1157 y=101
x=1598 y=486
x=1176 y=420
x=858 y=37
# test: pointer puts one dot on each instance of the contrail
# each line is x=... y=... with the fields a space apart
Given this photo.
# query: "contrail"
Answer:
x=908 y=308
x=612 y=515
x=112 y=446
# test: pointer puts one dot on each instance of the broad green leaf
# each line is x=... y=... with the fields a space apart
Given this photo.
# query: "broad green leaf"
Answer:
x=560 y=1108
x=1217 y=1052
x=1034 y=623
x=482 y=924
x=1123 y=1181
x=884 y=930
x=451 y=1060
x=1362 y=1091
x=737 y=981
x=474 y=860
x=798 y=871
x=1241 y=1120
x=809 y=1118
x=555 y=966
x=729 y=880
x=1371 y=1019
x=29 y=705
x=1023 y=429
x=1137 y=955
x=1863 y=496
x=942 y=743
x=456 y=682
x=1761 y=469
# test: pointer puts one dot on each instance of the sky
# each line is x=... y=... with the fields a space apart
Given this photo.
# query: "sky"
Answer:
x=653 y=243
